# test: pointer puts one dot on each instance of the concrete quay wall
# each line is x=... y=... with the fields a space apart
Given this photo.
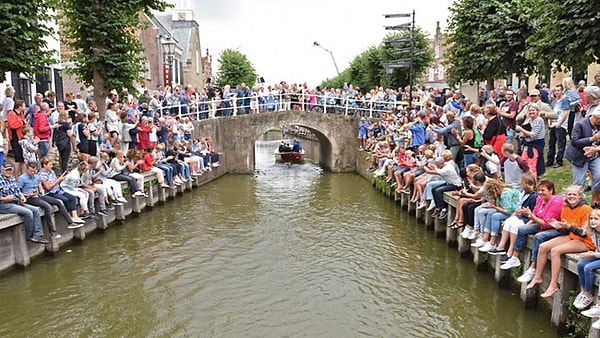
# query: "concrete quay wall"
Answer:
x=16 y=252
x=557 y=306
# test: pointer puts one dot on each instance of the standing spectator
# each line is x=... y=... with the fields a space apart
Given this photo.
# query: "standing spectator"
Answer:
x=584 y=147
x=62 y=139
x=508 y=112
x=570 y=92
x=558 y=129
x=42 y=130
x=95 y=129
x=494 y=133
x=8 y=103
x=71 y=106
x=143 y=133
x=113 y=123
x=34 y=107
x=29 y=144
x=534 y=133
x=13 y=202
x=16 y=122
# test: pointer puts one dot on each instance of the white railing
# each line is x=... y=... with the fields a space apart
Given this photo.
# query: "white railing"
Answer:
x=234 y=106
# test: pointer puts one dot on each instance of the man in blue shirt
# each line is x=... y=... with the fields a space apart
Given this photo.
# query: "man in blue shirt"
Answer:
x=12 y=201
x=31 y=187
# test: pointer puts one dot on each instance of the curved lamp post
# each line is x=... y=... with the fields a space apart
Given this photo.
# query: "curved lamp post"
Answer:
x=330 y=53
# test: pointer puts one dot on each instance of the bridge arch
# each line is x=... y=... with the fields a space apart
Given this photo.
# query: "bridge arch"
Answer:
x=235 y=136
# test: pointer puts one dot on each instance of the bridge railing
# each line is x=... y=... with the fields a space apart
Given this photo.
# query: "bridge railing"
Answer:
x=327 y=104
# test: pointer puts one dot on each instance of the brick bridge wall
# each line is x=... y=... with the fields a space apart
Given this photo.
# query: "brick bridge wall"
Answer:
x=236 y=135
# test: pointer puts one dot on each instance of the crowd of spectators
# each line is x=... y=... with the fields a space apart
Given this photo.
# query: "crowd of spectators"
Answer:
x=138 y=135
x=491 y=155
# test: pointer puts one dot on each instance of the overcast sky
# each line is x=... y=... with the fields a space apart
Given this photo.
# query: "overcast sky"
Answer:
x=277 y=36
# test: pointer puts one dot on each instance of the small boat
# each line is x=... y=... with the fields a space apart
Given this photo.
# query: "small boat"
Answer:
x=289 y=156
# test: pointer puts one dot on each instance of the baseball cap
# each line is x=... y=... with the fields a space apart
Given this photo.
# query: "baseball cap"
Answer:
x=534 y=92
x=7 y=165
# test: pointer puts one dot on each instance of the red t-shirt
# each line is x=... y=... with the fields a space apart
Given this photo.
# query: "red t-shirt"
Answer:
x=147 y=165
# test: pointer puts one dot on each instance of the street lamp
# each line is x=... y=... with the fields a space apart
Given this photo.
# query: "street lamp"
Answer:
x=169 y=47
x=330 y=53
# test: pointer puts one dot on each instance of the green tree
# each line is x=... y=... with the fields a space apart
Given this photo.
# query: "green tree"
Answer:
x=367 y=71
x=103 y=42
x=235 y=68
x=487 y=40
x=567 y=33
x=24 y=25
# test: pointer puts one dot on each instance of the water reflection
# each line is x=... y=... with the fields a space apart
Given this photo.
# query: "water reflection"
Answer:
x=287 y=251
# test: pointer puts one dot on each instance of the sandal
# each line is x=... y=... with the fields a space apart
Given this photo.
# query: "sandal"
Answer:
x=457 y=226
x=453 y=224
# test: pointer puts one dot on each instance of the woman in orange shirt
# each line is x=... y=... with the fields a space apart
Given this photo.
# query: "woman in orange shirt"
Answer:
x=575 y=221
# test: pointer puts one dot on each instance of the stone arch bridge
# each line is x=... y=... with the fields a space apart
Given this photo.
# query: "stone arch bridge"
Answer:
x=235 y=136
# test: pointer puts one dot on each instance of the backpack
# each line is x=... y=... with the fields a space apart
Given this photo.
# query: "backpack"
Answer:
x=478 y=139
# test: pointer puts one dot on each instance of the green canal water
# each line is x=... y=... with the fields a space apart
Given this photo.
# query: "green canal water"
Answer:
x=285 y=252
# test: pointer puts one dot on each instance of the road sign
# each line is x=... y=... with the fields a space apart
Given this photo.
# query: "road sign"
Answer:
x=403 y=26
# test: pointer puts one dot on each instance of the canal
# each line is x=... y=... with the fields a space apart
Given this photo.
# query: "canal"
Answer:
x=288 y=251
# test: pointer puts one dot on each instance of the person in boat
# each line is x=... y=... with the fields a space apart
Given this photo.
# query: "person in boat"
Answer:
x=282 y=147
x=296 y=147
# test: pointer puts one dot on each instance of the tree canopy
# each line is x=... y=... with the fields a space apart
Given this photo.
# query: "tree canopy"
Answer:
x=24 y=24
x=102 y=38
x=495 y=39
x=235 y=68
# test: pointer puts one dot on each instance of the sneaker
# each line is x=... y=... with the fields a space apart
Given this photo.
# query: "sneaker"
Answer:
x=164 y=185
x=93 y=215
x=593 y=312
x=584 y=301
x=216 y=164
x=497 y=252
x=422 y=205
x=431 y=206
x=478 y=243
x=122 y=200
x=466 y=233
x=487 y=247
x=103 y=212
x=84 y=216
x=138 y=194
x=56 y=235
x=75 y=225
x=116 y=203
x=110 y=206
x=527 y=276
x=78 y=220
x=596 y=324
x=512 y=262
x=435 y=212
x=443 y=213
x=38 y=239
x=504 y=258
x=474 y=235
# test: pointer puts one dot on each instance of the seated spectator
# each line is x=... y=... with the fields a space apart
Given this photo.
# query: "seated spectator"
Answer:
x=171 y=170
x=472 y=194
x=99 y=175
x=489 y=162
x=31 y=187
x=586 y=268
x=13 y=202
x=51 y=184
x=107 y=147
x=72 y=184
x=528 y=197
x=119 y=172
x=148 y=165
x=132 y=164
x=548 y=206
x=94 y=187
x=448 y=170
x=574 y=221
x=503 y=200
